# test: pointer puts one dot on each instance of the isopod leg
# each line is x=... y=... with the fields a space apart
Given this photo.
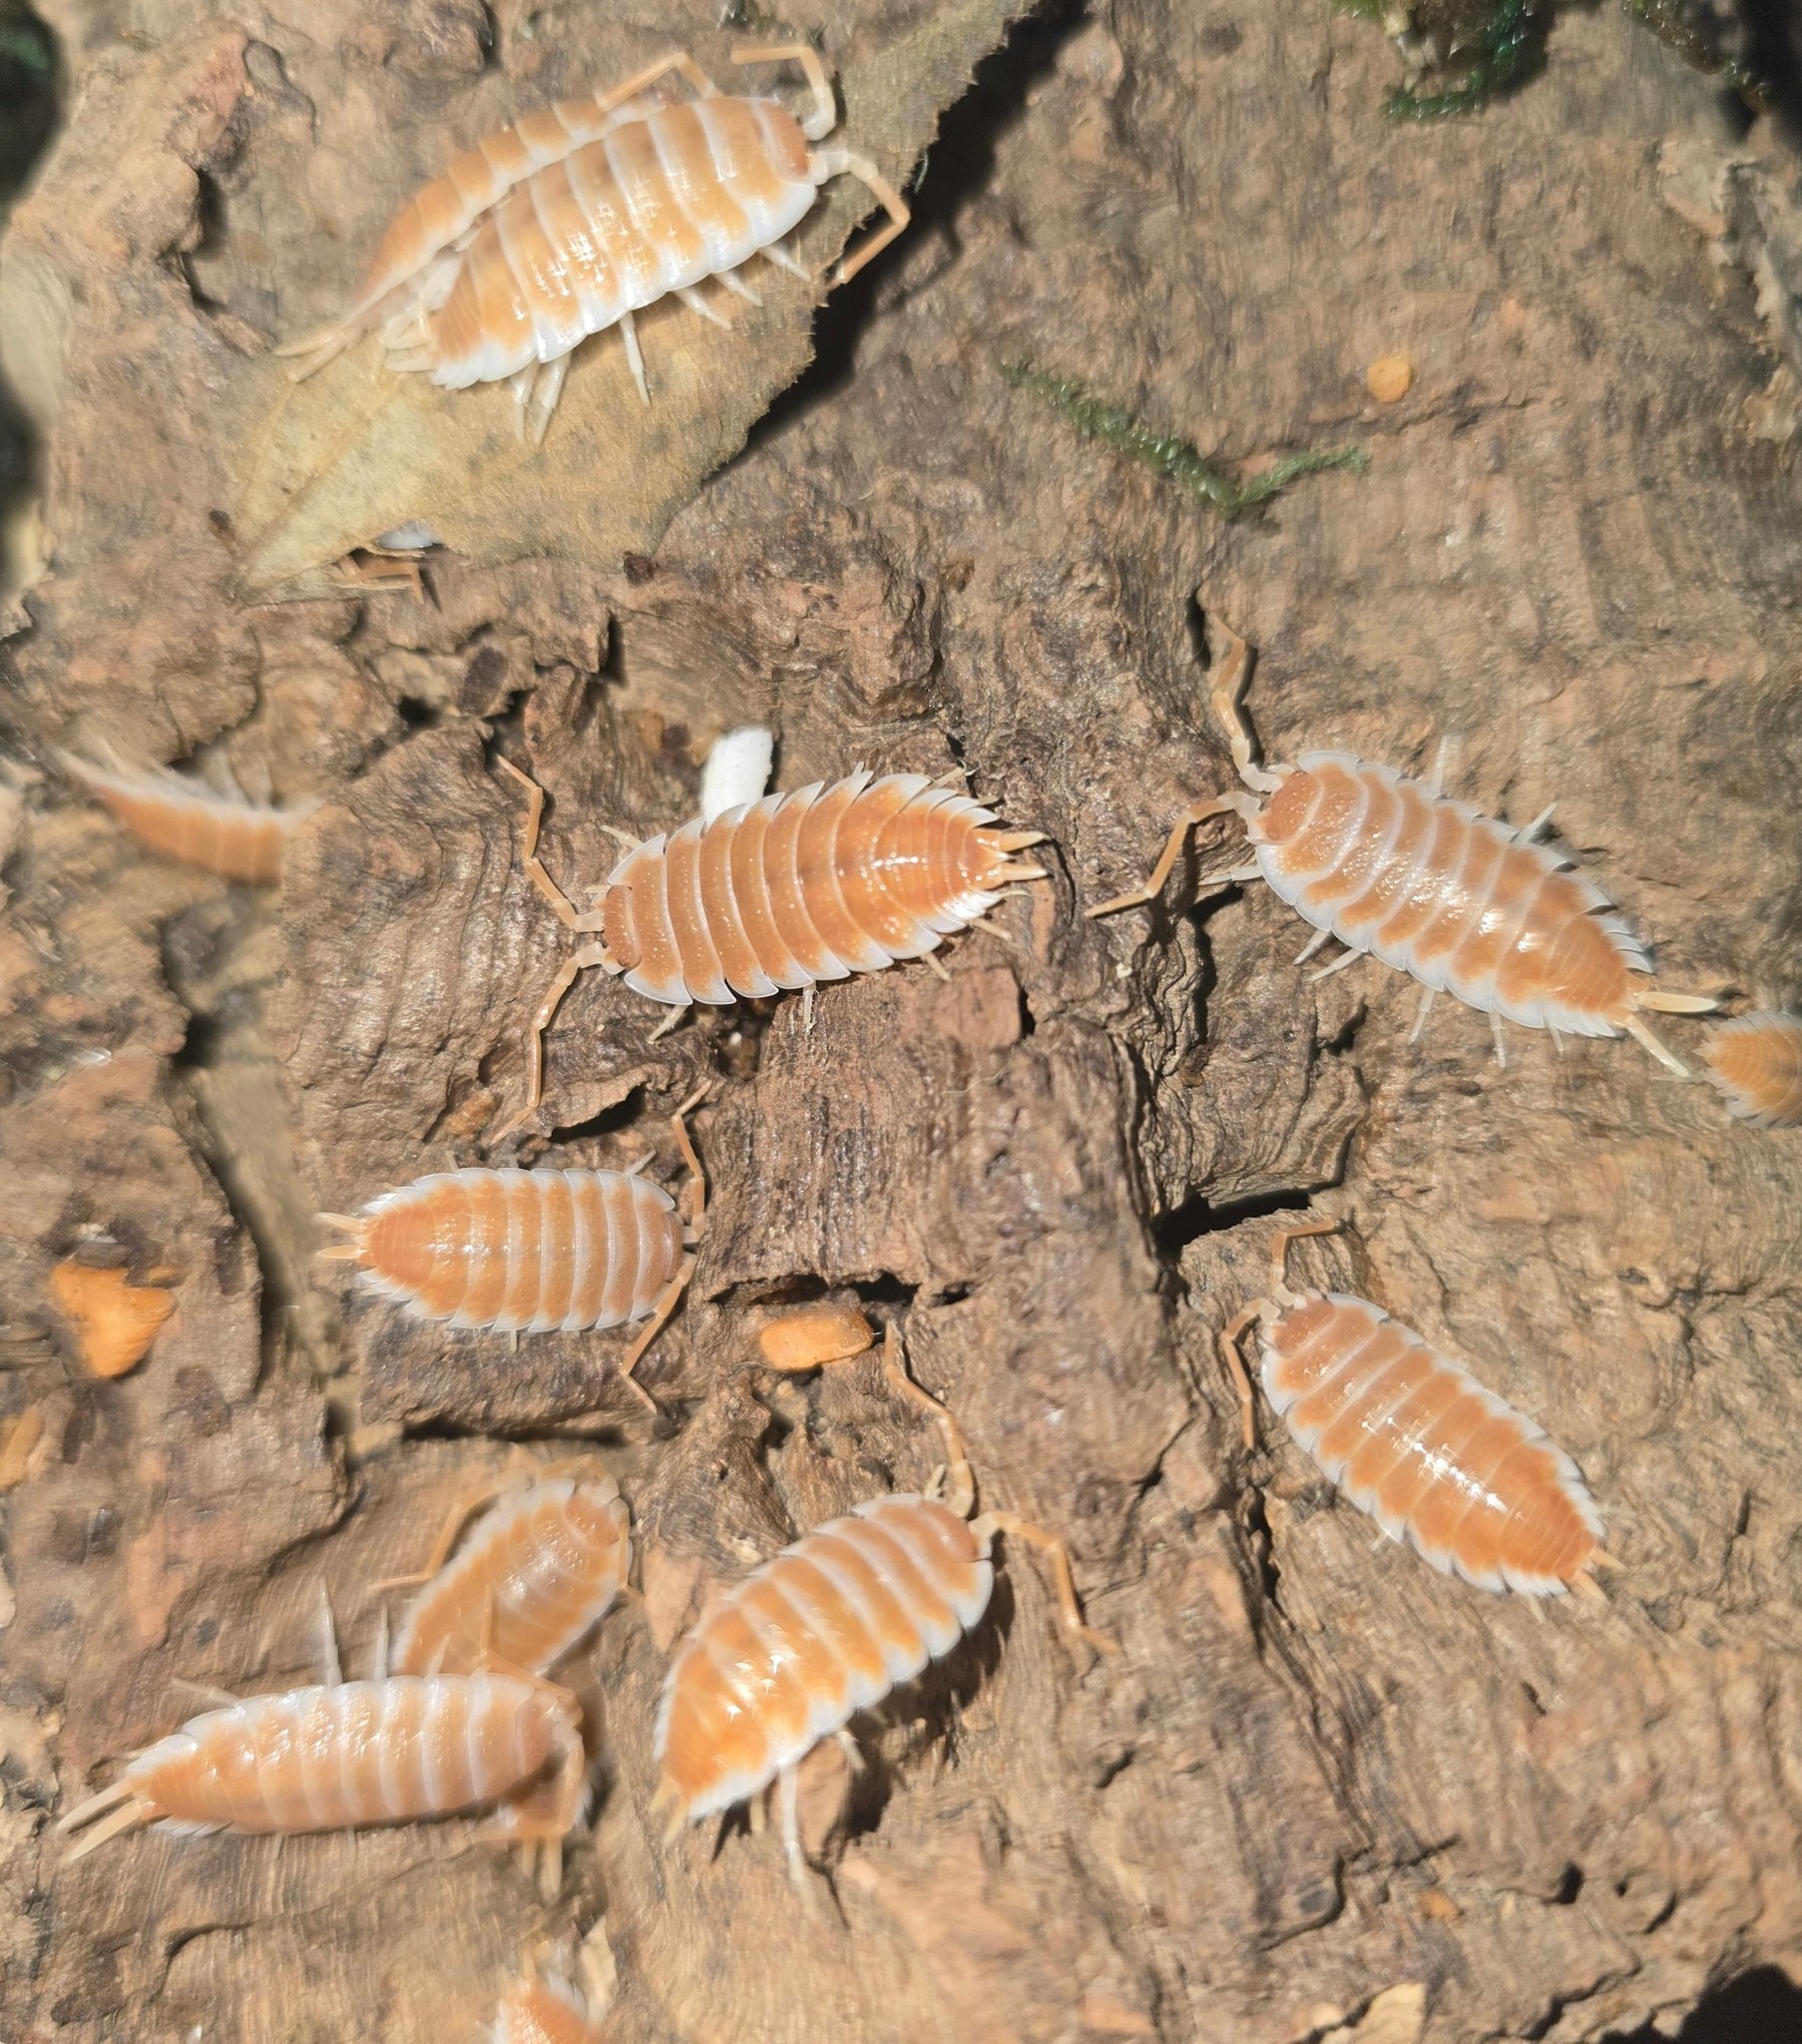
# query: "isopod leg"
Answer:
x=1234 y=1363
x=1050 y=1546
x=536 y=391
x=831 y=162
x=582 y=922
x=653 y=1326
x=678 y=61
x=824 y=117
x=454 y=1521
x=959 y=1486
x=1220 y=806
x=1279 y=1251
x=788 y=1803
x=576 y=963
x=1235 y=671
x=695 y=1192
x=630 y=335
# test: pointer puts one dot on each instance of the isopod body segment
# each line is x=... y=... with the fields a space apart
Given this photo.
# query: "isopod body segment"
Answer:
x=827 y=1629
x=183 y=819
x=1461 y=903
x=541 y=1569
x=342 y=1756
x=1411 y=1439
x=785 y=892
x=578 y=218
x=521 y=1251
x=546 y=2010
x=1756 y=1062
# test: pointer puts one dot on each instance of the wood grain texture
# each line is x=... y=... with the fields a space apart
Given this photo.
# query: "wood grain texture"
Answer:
x=1321 y=1773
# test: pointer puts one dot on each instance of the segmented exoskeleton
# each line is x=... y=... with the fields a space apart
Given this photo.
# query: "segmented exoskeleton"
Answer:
x=1757 y=1061
x=340 y=1756
x=185 y=821
x=578 y=218
x=827 y=1629
x=525 y=1252
x=540 y=1572
x=783 y=893
x=1415 y=1440
x=1460 y=902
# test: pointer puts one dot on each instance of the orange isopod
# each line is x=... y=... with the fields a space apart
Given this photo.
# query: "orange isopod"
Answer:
x=542 y=1570
x=182 y=819
x=812 y=1335
x=1415 y=1440
x=340 y=1756
x=545 y=2010
x=1757 y=1061
x=1431 y=886
x=578 y=219
x=827 y=1629
x=524 y=1252
x=783 y=893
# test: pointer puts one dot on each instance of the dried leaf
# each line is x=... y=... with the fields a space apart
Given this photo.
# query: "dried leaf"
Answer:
x=356 y=451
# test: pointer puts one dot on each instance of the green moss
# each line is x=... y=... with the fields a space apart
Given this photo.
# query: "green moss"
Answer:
x=1167 y=455
x=1695 y=42
x=1493 y=54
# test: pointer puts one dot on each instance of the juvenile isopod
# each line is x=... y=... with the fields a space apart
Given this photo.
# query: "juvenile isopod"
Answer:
x=1411 y=1439
x=342 y=1756
x=848 y=1612
x=525 y=1252
x=783 y=893
x=1757 y=1061
x=183 y=819
x=541 y=1570
x=578 y=218
x=1431 y=886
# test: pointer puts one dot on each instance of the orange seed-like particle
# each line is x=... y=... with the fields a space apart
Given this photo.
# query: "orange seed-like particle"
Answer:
x=818 y=1333
x=115 y=1320
x=1390 y=378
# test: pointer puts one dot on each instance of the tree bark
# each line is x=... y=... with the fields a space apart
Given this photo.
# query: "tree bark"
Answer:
x=1323 y=1791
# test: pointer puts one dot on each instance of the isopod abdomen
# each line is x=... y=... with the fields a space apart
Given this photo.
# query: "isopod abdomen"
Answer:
x=1411 y=1439
x=346 y=1754
x=784 y=893
x=183 y=819
x=542 y=1568
x=520 y=1251
x=828 y=1628
x=1757 y=1061
x=628 y=203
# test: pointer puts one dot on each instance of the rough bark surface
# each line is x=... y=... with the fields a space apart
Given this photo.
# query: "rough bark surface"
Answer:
x=1323 y=1791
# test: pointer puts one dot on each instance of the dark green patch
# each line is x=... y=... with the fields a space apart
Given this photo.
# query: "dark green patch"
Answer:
x=1167 y=455
x=1475 y=47
x=1695 y=38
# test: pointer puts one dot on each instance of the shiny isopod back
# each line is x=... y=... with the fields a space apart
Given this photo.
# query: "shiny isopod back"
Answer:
x=1461 y=903
x=1411 y=1439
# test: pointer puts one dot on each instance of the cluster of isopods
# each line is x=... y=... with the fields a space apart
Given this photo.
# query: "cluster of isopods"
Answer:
x=544 y=234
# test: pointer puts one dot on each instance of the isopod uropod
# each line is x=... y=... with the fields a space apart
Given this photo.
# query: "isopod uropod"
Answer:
x=1757 y=1061
x=340 y=1756
x=183 y=819
x=1415 y=1440
x=525 y=1252
x=541 y=1570
x=580 y=216
x=827 y=1629
x=1433 y=886
x=783 y=893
